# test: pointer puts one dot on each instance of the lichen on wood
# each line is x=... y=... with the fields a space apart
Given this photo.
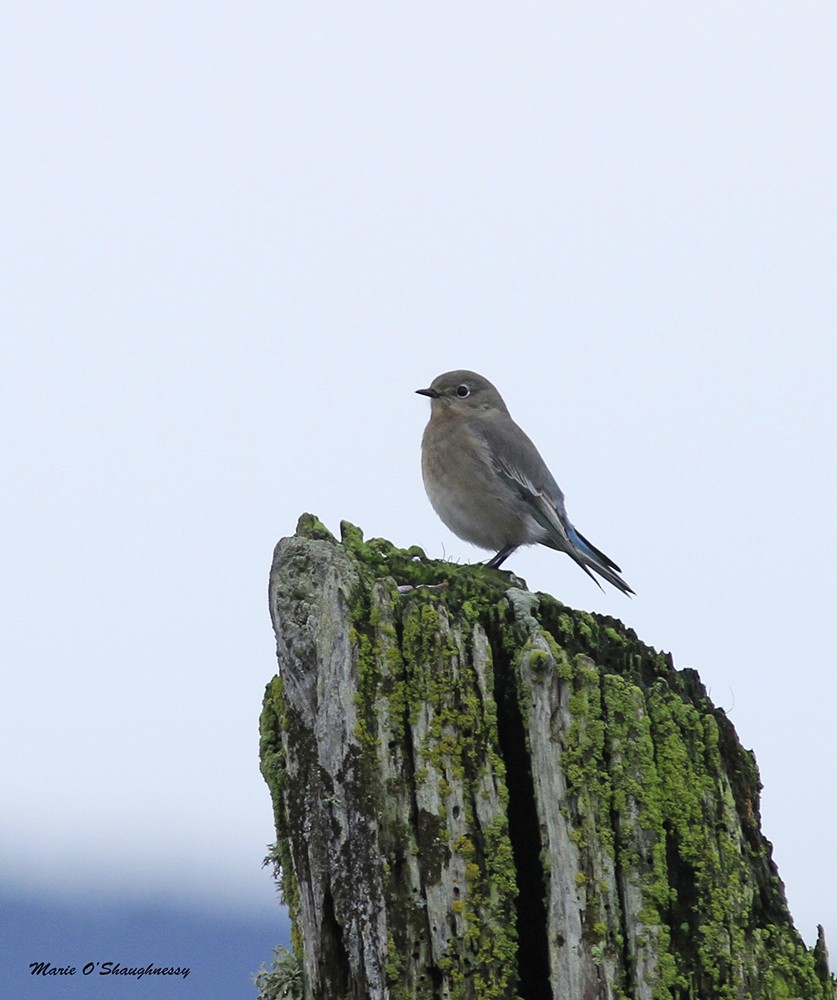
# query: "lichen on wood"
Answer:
x=481 y=793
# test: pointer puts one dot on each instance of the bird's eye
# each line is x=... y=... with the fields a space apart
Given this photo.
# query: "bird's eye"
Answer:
x=462 y=391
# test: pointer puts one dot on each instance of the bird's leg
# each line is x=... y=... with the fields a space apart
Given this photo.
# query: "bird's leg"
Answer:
x=500 y=558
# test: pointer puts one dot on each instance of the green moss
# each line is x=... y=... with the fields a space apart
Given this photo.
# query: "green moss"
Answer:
x=638 y=818
x=272 y=722
x=368 y=686
x=310 y=526
x=490 y=939
x=584 y=764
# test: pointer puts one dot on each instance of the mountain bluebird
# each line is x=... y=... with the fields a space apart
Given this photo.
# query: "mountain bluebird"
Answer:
x=487 y=481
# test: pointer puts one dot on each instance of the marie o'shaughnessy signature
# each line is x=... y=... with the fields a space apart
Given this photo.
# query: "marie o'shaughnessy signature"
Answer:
x=107 y=969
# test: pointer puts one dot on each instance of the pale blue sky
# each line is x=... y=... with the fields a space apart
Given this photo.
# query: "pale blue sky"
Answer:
x=237 y=236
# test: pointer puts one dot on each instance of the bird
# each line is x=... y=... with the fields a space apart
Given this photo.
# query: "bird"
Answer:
x=488 y=483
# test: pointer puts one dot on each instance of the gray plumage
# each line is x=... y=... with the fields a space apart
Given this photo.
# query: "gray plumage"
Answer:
x=487 y=481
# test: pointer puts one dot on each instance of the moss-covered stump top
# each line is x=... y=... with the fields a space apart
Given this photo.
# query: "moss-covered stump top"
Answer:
x=482 y=793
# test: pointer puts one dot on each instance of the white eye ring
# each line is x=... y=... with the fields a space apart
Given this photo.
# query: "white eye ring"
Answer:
x=462 y=391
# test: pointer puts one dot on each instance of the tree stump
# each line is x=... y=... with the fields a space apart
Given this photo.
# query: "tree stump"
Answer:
x=480 y=793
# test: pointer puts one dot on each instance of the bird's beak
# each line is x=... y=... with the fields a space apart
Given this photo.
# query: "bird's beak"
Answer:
x=432 y=393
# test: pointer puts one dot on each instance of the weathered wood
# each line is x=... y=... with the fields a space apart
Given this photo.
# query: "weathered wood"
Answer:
x=480 y=793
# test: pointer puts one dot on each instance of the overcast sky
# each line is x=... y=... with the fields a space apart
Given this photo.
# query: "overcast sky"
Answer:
x=238 y=236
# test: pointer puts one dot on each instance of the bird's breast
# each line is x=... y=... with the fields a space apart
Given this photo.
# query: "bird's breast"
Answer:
x=467 y=492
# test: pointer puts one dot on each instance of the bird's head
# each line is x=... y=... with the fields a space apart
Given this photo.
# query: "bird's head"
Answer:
x=463 y=392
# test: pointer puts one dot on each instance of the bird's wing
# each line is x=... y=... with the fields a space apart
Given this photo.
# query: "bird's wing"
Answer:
x=518 y=461
x=512 y=452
